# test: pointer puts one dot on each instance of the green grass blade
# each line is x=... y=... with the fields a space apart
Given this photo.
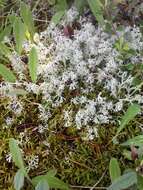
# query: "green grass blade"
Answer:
x=19 y=34
x=4 y=50
x=27 y=17
x=33 y=63
x=7 y=74
x=97 y=9
x=61 y=5
x=114 y=169
x=131 y=113
x=16 y=153
x=80 y=5
x=57 y=17
x=136 y=141
x=5 y=32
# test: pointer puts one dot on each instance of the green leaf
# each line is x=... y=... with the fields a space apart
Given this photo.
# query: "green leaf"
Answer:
x=42 y=185
x=114 y=169
x=136 y=141
x=19 y=179
x=123 y=182
x=37 y=179
x=52 y=172
x=33 y=63
x=53 y=181
x=19 y=34
x=127 y=154
x=128 y=66
x=132 y=111
x=57 y=17
x=61 y=5
x=7 y=74
x=11 y=17
x=97 y=9
x=16 y=153
x=27 y=17
x=4 y=50
x=140 y=182
x=5 y=32
x=136 y=81
x=80 y=4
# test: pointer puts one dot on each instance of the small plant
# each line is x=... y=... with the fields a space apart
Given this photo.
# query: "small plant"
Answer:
x=130 y=114
x=43 y=182
x=96 y=7
x=120 y=182
x=23 y=28
x=130 y=177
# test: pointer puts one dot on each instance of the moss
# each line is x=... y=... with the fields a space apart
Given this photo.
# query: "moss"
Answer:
x=77 y=162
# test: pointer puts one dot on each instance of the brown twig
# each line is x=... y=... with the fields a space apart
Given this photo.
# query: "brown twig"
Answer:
x=92 y=188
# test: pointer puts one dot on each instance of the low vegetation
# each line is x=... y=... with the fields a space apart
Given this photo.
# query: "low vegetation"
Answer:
x=71 y=95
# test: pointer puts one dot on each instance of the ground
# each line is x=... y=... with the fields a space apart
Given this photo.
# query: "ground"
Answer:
x=37 y=119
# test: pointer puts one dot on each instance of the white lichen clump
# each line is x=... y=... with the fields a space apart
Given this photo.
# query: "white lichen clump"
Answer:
x=83 y=70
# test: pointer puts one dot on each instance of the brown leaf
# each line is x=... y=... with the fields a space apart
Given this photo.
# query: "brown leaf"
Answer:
x=68 y=31
x=134 y=153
